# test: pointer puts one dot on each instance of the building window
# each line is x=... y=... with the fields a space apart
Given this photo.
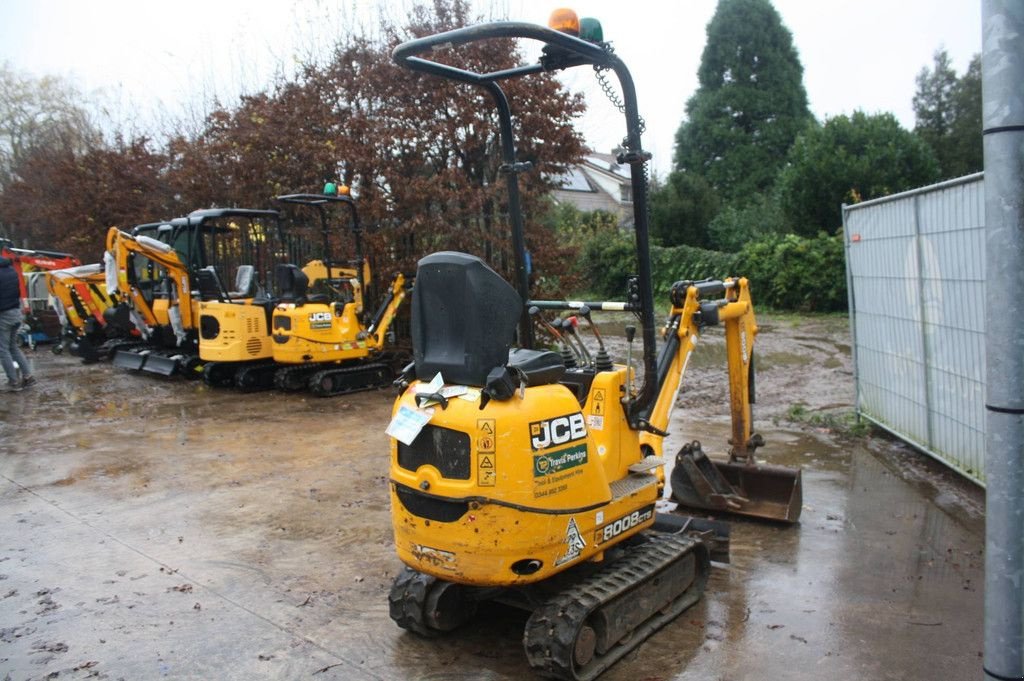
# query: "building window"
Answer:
x=626 y=192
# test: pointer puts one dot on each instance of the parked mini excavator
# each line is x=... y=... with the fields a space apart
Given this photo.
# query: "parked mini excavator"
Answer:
x=153 y=283
x=322 y=335
x=234 y=324
x=79 y=297
x=159 y=276
x=531 y=477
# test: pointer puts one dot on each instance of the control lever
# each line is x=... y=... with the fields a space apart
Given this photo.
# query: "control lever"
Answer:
x=568 y=355
x=570 y=326
x=630 y=335
x=602 y=362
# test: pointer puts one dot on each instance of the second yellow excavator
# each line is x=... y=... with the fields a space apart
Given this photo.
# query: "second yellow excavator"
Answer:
x=324 y=338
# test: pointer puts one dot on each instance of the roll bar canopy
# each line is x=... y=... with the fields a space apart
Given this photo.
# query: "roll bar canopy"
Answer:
x=561 y=51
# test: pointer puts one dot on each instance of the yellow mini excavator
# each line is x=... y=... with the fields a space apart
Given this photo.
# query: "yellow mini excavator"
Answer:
x=80 y=298
x=531 y=477
x=322 y=335
x=153 y=282
x=158 y=271
x=234 y=323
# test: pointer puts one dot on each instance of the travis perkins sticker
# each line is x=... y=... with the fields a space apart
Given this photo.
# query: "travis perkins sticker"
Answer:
x=555 y=462
x=557 y=431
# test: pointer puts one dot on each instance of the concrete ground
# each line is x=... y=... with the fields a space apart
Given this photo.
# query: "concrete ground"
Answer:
x=157 y=529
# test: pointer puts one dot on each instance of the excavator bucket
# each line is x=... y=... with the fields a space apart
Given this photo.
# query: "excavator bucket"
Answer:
x=748 y=489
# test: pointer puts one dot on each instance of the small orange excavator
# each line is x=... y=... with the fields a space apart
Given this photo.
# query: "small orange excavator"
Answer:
x=31 y=265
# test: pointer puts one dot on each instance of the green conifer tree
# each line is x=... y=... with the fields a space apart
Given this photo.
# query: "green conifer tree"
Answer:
x=750 y=105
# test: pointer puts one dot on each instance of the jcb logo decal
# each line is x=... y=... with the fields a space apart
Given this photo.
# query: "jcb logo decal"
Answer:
x=319 y=320
x=557 y=431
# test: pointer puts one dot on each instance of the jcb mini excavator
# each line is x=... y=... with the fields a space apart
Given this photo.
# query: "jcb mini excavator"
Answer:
x=153 y=281
x=531 y=477
x=80 y=298
x=234 y=323
x=160 y=275
x=321 y=332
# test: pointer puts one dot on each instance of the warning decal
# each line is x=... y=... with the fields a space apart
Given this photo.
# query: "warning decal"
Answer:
x=486 y=465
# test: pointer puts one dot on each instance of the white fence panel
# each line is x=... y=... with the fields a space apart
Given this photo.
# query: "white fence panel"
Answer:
x=916 y=271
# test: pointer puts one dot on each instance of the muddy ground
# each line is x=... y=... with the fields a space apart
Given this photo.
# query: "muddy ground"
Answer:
x=160 y=529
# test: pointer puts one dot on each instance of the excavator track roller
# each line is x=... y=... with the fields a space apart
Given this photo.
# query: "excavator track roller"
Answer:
x=586 y=628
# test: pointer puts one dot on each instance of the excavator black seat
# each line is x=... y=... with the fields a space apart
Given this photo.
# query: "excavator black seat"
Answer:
x=464 y=318
x=209 y=284
x=292 y=284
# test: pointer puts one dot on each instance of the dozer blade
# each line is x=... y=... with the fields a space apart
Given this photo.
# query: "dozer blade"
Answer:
x=161 y=364
x=748 y=489
x=126 y=359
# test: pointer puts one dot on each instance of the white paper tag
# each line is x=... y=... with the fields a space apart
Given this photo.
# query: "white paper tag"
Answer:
x=451 y=391
x=408 y=423
x=471 y=395
x=435 y=385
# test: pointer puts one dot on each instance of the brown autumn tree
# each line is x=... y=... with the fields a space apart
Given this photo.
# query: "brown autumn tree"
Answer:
x=421 y=154
x=65 y=199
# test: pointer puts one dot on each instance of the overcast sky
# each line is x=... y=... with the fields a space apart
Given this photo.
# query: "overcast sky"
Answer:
x=155 y=61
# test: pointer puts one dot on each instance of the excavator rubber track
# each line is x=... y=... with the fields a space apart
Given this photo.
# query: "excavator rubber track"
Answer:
x=295 y=377
x=585 y=628
x=580 y=628
x=246 y=376
x=326 y=380
x=341 y=380
x=219 y=374
x=256 y=376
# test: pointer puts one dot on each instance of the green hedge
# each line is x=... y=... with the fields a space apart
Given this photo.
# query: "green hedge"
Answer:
x=785 y=272
x=791 y=272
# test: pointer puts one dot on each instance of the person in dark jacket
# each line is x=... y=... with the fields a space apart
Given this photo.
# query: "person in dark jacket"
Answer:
x=10 y=321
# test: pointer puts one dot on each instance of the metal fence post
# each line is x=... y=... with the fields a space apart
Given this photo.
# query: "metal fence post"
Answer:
x=1003 y=128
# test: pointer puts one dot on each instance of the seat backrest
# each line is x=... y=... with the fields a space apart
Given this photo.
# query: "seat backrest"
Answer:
x=291 y=282
x=209 y=284
x=464 y=317
x=245 y=282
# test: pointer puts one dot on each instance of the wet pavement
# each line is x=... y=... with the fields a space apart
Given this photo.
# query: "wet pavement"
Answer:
x=160 y=529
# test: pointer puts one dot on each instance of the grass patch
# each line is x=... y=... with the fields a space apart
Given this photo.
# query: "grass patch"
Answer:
x=842 y=422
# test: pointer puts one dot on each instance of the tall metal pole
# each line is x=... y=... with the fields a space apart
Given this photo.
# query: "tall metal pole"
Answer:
x=1003 y=123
